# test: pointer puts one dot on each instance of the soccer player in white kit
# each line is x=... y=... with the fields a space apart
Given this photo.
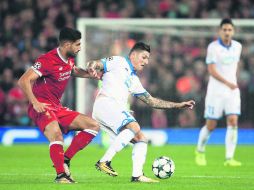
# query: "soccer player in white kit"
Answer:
x=223 y=94
x=119 y=80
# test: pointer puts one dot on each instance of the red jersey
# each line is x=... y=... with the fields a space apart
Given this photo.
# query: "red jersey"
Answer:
x=54 y=74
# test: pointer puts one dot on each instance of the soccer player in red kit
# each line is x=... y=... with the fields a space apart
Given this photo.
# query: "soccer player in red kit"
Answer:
x=44 y=84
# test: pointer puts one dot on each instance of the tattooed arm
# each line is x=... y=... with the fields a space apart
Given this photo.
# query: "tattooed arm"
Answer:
x=163 y=104
x=91 y=71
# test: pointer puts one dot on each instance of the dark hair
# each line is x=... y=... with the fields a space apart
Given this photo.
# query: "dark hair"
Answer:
x=226 y=21
x=140 y=46
x=69 y=34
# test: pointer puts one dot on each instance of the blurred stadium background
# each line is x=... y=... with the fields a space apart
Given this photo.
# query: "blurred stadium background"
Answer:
x=176 y=72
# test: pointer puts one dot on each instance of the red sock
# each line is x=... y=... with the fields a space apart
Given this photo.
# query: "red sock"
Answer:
x=79 y=142
x=57 y=156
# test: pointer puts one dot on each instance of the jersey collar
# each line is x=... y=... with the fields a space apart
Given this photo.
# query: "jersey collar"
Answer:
x=222 y=44
x=61 y=57
x=130 y=64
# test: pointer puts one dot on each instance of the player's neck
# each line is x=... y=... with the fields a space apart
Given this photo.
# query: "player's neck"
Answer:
x=62 y=53
x=226 y=42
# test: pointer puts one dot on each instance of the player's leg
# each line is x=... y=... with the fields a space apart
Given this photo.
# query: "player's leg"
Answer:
x=88 y=129
x=214 y=105
x=204 y=135
x=232 y=110
x=72 y=120
x=231 y=140
x=48 y=125
x=53 y=133
x=138 y=159
x=122 y=139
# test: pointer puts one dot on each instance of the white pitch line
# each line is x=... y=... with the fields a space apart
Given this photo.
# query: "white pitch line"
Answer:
x=217 y=177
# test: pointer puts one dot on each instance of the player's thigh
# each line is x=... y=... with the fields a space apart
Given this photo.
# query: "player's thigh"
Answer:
x=82 y=122
x=135 y=127
x=53 y=132
x=214 y=106
x=108 y=113
x=233 y=104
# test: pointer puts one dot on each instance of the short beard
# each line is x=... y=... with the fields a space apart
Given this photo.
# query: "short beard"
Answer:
x=70 y=54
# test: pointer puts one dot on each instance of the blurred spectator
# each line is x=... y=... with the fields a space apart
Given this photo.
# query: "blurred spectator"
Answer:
x=177 y=70
x=159 y=119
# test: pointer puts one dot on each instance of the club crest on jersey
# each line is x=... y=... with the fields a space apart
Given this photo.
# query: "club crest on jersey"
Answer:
x=37 y=65
x=60 y=68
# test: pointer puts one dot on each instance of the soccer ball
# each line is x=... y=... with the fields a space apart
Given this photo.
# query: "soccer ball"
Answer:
x=163 y=167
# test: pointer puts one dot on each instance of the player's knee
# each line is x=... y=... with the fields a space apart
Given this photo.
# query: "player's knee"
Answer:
x=139 y=137
x=134 y=126
x=57 y=136
x=231 y=121
x=94 y=125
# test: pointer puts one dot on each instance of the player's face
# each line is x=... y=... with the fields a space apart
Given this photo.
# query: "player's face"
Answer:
x=226 y=32
x=73 y=48
x=140 y=59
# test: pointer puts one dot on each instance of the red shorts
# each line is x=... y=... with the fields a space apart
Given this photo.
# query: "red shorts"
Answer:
x=63 y=115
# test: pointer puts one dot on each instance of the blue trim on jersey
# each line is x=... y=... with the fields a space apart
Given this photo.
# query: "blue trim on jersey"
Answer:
x=131 y=66
x=212 y=118
x=104 y=64
x=232 y=114
x=139 y=94
x=124 y=123
x=225 y=46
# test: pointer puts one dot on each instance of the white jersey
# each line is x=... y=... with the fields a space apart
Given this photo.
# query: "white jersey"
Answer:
x=120 y=80
x=220 y=98
x=226 y=59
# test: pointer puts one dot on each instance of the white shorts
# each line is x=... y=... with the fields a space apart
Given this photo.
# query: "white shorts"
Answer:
x=111 y=115
x=216 y=103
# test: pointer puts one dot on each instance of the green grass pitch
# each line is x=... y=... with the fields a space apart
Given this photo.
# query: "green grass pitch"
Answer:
x=25 y=167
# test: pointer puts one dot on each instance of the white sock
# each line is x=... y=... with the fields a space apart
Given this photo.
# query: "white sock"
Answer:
x=138 y=158
x=204 y=135
x=122 y=139
x=231 y=141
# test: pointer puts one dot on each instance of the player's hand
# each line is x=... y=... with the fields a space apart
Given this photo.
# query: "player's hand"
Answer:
x=92 y=72
x=40 y=107
x=189 y=104
x=232 y=86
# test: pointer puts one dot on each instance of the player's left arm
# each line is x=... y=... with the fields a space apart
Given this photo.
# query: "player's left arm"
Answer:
x=163 y=104
x=91 y=71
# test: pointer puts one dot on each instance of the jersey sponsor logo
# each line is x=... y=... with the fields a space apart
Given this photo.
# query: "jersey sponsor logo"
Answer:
x=64 y=76
x=37 y=65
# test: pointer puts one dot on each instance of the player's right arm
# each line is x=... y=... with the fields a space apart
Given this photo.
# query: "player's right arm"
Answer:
x=26 y=82
x=213 y=72
x=211 y=59
x=164 y=104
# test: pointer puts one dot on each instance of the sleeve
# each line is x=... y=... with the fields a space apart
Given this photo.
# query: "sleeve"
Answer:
x=240 y=51
x=211 y=55
x=110 y=62
x=41 y=67
x=137 y=88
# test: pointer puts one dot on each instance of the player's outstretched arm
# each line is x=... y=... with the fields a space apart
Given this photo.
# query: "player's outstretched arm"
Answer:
x=91 y=71
x=163 y=104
